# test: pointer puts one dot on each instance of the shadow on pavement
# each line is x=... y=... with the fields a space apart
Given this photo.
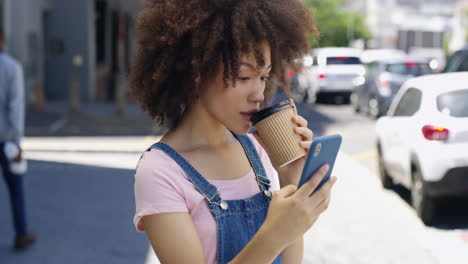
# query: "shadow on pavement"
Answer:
x=81 y=214
x=451 y=212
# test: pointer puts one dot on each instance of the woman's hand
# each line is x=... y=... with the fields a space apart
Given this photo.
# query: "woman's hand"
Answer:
x=290 y=174
x=293 y=211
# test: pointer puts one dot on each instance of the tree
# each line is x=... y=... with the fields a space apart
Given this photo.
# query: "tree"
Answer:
x=337 y=27
x=466 y=29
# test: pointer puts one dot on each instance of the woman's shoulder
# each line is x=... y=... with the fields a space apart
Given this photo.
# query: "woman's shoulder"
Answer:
x=155 y=163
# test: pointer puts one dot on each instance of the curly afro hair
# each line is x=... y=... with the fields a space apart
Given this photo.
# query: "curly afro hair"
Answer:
x=183 y=43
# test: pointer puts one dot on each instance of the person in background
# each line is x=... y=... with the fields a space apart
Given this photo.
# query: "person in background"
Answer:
x=11 y=130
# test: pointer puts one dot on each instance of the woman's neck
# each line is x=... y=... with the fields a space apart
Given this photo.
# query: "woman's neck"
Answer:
x=198 y=130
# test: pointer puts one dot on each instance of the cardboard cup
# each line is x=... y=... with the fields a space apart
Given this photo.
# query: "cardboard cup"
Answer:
x=276 y=128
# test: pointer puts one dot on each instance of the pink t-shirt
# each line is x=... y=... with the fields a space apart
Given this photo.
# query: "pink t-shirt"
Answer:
x=161 y=186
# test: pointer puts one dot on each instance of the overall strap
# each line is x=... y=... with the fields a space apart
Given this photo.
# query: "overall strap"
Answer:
x=256 y=163
x=210 y=192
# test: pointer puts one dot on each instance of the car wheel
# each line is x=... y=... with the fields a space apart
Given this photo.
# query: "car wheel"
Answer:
x=385 y=178
x=421 y=201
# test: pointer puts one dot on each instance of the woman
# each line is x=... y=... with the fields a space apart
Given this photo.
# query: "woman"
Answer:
x=204 y=192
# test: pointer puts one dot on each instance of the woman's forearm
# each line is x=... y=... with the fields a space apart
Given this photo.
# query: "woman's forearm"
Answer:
x=294 y=253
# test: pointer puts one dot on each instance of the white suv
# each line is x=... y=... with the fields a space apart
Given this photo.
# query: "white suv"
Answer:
x=423 y=142
x=336 y=72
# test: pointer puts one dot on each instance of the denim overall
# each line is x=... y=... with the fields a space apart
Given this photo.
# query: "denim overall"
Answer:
x=237 y=220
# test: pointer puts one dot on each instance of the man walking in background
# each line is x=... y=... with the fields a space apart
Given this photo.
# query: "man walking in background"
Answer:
x=12 y=106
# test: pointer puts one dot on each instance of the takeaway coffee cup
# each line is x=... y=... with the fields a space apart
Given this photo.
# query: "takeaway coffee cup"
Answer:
x=276 y=128
x=11 y=150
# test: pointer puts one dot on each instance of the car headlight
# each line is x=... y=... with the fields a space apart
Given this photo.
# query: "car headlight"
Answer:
x=358 y=81
x=362 y=71
x=384 y=90
x=434 y=64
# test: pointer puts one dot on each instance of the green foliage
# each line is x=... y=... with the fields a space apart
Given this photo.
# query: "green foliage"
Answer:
x=466 y=19
x=445 y=45
x=336 y=26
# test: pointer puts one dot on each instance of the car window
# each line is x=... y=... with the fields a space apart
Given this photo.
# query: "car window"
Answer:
x=409 y=68
x=409 y=103
x=463 y=65
x=454 y=103
x=457 y=59
x=343 y=60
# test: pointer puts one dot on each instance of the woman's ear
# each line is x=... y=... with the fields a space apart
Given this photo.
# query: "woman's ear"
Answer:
x=197 y=85
x=196 y=80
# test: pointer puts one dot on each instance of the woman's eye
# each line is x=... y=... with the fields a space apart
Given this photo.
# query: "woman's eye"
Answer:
x=265 y=78
x=244 y=78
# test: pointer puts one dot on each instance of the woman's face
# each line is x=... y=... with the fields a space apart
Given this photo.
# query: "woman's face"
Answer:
x=233 y=106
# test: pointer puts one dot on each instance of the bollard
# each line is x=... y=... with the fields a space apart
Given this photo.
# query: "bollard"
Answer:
x=38 y=102
x=73 y=94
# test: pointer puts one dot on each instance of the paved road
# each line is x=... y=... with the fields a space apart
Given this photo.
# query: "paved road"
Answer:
x=80 y=212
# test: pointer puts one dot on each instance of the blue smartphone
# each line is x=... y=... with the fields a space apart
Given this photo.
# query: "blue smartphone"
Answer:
x=323 y=150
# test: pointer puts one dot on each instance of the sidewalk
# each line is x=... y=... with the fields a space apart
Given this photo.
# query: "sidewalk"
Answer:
x=108 y=144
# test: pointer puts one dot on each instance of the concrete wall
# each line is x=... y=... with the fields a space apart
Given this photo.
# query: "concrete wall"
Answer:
x=45 y=35
x=70 y=33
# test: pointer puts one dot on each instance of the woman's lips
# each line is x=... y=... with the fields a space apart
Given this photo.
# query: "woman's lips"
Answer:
x=247 y=117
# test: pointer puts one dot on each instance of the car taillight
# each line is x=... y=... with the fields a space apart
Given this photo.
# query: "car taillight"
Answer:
x=321 y=76
x=290 y=74
x=410 y=64
x=435 y=133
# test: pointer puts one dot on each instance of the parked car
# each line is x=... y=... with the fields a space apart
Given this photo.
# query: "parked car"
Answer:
x=382 y=81
x=336 y=72
x=458 y=61
x=423 y=142
x=301 y=81
x=435 y=57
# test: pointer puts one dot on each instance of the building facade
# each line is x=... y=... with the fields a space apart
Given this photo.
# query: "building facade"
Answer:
x=87 y=42
x=407 y=24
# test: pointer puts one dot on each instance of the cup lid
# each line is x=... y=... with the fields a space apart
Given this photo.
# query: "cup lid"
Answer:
x=264 y=113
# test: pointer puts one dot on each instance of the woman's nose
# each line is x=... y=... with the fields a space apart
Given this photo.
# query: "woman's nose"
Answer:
x=258 y=94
